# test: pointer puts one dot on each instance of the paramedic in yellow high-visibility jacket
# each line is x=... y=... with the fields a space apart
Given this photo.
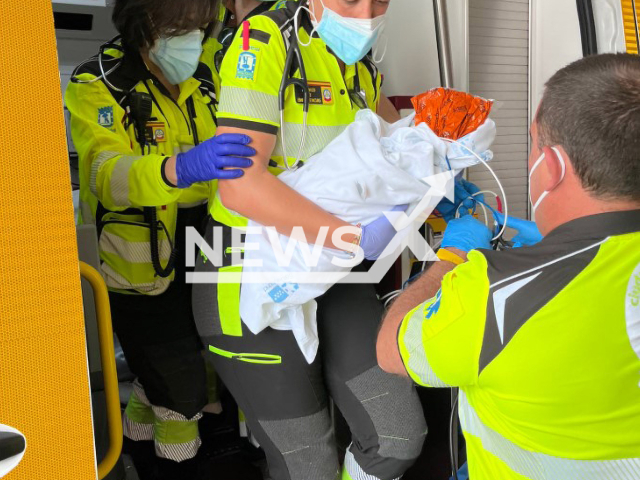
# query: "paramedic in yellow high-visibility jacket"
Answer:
x=544 y=340
x=143 y=123
x=284 y=398
x=230 y=16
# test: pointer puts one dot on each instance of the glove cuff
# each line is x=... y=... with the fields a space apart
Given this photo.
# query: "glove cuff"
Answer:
x=164 y=175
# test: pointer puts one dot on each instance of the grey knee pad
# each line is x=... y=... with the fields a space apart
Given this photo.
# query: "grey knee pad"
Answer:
x=307 y=445
x=395 y=410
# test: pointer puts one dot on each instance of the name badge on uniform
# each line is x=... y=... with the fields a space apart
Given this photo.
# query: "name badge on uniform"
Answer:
x=320 y=93
x=156 y=132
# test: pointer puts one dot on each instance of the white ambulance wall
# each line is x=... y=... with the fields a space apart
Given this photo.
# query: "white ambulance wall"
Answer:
x=609 y=26
x=75 y=46
x=555 y=42
x=411 y=63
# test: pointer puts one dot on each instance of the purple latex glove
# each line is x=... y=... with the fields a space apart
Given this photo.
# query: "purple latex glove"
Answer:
x=462 y=191
x=378 y=234
x=466 y=233
x=219 y=158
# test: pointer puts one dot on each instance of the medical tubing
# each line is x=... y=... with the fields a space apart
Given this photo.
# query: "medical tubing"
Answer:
x=504 y=197
x=482 y=204
x=453 y=424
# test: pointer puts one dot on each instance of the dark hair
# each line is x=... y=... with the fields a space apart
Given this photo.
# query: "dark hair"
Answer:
x=592 y=109
x=142 y=22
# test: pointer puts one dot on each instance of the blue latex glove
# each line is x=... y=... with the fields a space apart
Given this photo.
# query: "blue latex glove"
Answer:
x=462 y=200
x=528 y=233
x=211 y=159
x=378 y=234
x=466 y=233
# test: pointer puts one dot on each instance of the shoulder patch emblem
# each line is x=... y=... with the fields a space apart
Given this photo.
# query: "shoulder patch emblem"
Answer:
x=431 y=308
x=247 y=62
x=632 y=310
x=105 y=117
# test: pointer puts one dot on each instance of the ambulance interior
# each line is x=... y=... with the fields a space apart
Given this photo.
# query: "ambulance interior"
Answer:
x=503 y=50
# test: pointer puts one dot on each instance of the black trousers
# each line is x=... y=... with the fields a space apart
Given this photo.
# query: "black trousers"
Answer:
x=159 y=339
x=286 y=404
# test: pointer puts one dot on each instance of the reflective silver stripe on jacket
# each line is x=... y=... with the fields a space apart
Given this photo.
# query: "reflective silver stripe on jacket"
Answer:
x=132 y=252
x=119 y=181
x=250 y=103
x=418 y=363
x=539 y=466
x=100 y=160
x=318 y=137
x=114 y=280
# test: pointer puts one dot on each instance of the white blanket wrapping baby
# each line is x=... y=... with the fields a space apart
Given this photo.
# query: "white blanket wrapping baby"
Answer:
x=367 y=170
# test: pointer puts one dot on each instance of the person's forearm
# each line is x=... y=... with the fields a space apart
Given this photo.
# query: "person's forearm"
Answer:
x=387 y=110
x=263 y=198
x=170 y=170
x=424 y=288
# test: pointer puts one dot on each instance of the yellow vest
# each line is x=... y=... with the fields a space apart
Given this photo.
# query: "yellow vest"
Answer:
x=117 y=179
x=251 y=81
x=544 y=343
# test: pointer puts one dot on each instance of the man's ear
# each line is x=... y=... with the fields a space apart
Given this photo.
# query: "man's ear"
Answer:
x=555 y=159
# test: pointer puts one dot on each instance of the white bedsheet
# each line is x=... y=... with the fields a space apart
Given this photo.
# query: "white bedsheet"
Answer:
x=367 y=170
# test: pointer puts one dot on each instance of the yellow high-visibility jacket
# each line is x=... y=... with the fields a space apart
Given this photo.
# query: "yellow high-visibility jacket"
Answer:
x=117 y=179
x=544 y=343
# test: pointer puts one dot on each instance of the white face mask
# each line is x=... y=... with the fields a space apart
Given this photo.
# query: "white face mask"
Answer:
x=178 y=57
x=546 y=192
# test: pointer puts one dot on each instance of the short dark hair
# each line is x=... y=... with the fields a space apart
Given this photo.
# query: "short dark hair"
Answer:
x=142 y=22
x=592 y=109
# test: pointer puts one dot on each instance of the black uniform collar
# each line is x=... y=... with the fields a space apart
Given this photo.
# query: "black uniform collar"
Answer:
x=133 y=67
x=292 y=7
x=596 y=226
x=260 y=9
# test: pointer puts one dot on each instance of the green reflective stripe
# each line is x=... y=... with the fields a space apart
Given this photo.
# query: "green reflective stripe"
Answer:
x=119 y=181
x=412 y=350
x=249 y=104
x=260 y=358
x=345 y=475
x=317 y=138
x=95 y=167
x=229 y=303
x=175 y=431
x=138 y=412
x=539 y=466
x=230 y=250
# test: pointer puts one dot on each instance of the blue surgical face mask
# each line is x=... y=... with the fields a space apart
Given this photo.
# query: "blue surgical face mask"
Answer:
x=178 y=57
x=349 y=38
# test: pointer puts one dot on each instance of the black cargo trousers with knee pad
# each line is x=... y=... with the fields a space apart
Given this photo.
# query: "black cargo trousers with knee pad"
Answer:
x=286 y=402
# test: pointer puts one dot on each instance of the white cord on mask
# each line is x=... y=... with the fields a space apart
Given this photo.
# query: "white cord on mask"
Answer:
x=504 y=197
x=296 y=24
x=377 y=59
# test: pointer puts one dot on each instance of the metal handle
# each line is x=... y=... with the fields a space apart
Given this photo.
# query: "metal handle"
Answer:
x=108 y=359
x=635 y=25
x=443 y=43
